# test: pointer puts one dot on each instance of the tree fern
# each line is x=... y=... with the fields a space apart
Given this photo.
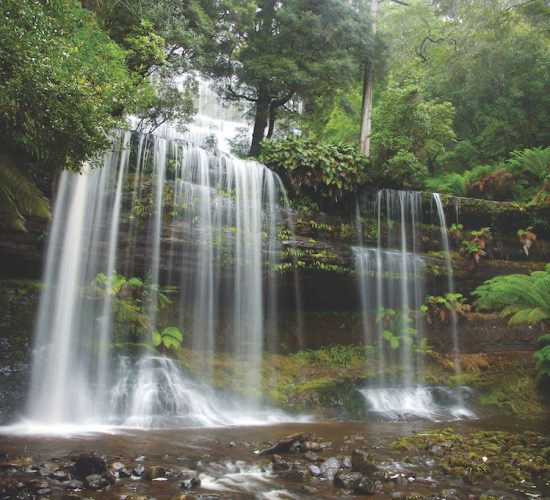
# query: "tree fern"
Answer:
x=19 y=196
x=524 y=299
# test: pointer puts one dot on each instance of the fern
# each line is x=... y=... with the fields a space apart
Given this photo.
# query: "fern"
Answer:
x=19 y=196
x=524 y=299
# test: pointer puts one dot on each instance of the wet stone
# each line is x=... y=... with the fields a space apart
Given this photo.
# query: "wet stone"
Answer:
x=87 y=464
x=154 y=472
x=368 y=486
x=329 y=468
x=346 y=462
x=348 y=481
x=295 y=474
x=60 y=475
x=95 y=482
x=314 y=470
x=279 y=464
x=311 y=446
x=311 y=457
x=193 y=483
x=138 y=470
x=362 y=462
x=450 y=494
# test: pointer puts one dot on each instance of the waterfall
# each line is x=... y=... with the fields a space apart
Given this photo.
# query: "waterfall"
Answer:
x=164 y=220
x=392 y=288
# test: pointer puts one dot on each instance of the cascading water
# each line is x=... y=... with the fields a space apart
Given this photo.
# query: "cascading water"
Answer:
x=392 y=289
x=172 y=213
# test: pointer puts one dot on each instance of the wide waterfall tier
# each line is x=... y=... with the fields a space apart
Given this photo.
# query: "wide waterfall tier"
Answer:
x=165 y=241
x=392 y=288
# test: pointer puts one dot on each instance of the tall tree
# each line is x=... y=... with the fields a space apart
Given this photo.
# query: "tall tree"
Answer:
x=276 y=51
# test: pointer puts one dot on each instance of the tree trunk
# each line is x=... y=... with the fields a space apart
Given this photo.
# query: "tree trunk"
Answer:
x=260 y=120
x=366 y=112
x=272 y=110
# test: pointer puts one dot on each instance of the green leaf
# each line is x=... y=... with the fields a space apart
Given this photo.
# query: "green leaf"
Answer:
x=157 y=338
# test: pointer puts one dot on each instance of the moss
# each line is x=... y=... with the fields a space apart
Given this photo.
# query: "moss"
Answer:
x=484 y=456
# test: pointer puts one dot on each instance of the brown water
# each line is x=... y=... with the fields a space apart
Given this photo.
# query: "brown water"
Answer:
x=213 y=453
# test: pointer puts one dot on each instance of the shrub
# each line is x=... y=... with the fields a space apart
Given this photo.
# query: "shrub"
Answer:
x=320 y=170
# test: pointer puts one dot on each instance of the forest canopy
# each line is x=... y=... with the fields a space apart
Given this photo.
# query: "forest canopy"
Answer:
x=456 y=85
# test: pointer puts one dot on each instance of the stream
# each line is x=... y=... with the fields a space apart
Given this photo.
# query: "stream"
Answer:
x=162 y=463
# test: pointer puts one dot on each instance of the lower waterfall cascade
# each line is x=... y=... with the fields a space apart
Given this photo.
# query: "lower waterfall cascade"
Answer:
x=208 y=223
x=392 y=289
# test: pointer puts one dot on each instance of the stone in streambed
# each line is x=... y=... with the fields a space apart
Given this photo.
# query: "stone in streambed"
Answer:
x=95 y=482
x=154 y=472
x=193 y=483
x=279 y=464
x=295 y=474
x=368 y=486
x=88 y=464
x=348 y=481
x=329 y=468
x=311 y=457
x=138 y=470
x=314 y=470
x=311 y=446
x=362 y=462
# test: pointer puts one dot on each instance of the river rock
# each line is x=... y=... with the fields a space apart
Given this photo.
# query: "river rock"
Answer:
x=368 y=486
x=314 y=470
x=192 y=483
x=154 y=472
x=95 y=482
x=311 y=446
x=346 y=462
x=295 y=474
x=329 y=468
x=138 y=470
x=362 y=462
x=60 y=475
x=348 y=481
x=279 y=464
x=88 y=464
x=311 y=457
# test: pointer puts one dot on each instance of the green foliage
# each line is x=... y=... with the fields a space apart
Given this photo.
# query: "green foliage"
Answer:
x=169 y=339
x=336 y=355
x=320 y=170
x=19 y=196
x=525 y=298
x=521 y=178
x=278 y=51
x=455 y=230
x=397 y=330
x=543 y=360
x=63 y=83
x=442 y=308
x=133 y=302
x=410 y=131
x=474 y=248
x=526 y=238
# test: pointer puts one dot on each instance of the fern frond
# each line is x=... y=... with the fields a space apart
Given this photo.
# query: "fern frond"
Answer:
x=19 y=196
